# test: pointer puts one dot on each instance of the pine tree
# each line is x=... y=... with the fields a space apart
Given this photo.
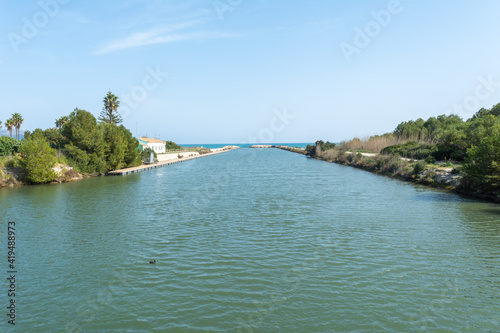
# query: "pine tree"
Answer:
x=109 y=113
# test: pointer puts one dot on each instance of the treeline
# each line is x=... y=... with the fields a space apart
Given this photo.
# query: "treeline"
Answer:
x=79 y=140
x=474 y=142
x=91 y=147
x=449 y=137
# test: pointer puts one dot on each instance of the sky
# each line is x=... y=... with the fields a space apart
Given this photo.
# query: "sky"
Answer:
x=241 y=71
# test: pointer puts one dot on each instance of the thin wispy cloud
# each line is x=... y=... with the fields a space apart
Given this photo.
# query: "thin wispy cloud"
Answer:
x=169 y=34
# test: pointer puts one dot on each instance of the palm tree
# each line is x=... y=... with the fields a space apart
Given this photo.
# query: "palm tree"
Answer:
x=9 y=123
x=18 y=121
x=61 y=121
x=109 y=113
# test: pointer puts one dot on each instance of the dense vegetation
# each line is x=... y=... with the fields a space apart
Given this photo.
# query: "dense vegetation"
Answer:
x=93 y=147
x=319 y=147
x=8 y=145
x=89 y=146
x=38 y=159
x=170 y=145
x=474 y=143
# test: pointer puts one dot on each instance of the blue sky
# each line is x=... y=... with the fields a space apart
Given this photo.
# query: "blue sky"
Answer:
x=197 y=71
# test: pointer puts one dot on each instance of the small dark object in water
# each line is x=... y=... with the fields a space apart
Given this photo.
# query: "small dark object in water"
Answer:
x=153 y=261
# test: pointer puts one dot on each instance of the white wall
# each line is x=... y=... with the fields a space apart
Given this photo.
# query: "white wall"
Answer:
x=159 y=148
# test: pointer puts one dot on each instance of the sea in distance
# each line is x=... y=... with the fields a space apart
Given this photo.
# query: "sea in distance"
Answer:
x=244 y=145
x=250 y=240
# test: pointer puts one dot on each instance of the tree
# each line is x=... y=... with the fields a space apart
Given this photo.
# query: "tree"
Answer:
x=7 y=145
x=61 y=121
x=9 y=124
x=109 y=113
x=482 y=165
x=86 y=144
x=53 y=136
x=115 y=146
x=18 y=121
x=121 y=147
x=38 y=159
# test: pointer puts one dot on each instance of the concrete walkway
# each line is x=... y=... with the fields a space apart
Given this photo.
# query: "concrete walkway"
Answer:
x=168 y=160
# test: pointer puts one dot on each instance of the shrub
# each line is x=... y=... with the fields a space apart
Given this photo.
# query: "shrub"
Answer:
x=430 y=160
x=8 y=145
x=327 y=146
x=38 y=159
x=429 y=176
x=412 y=149
x=170 y=145
x=482 y=166
x=204 y=151
x=310 y=150
x=146 y=155
x=419 y=167
x=69 y=174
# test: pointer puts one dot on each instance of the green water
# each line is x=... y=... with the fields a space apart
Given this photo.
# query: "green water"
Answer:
x=251 y=241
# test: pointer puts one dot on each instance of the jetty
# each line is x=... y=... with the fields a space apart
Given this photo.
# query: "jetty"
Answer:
x=171 y=161
x=262 y=146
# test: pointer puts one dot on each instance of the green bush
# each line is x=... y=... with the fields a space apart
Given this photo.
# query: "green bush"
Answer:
x=37 y=160
x=146 y=154
x=419 y=167
x=79 y=158
x=8 y=145
x=170 y=145
x=97 y=148
x=53 y=135
x=327 y=146
x=482 y=166
x=412 y=149
x=430 y=160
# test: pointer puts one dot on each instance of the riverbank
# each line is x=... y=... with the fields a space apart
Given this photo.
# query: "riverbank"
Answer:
x=11 y=176
x=415 y=171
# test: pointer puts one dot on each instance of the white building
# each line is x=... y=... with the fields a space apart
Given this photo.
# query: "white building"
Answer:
x=158 y=146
